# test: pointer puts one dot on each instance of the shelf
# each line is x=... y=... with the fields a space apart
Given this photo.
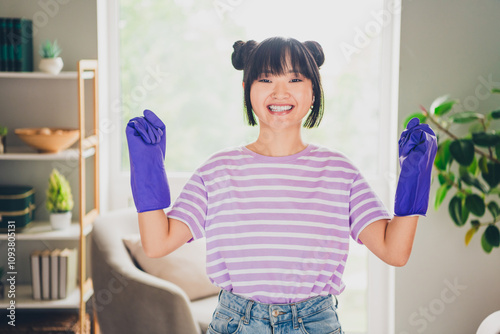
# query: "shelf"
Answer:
x=27 y=153
x=24 y=299
x=42 y=75
x=41 y=230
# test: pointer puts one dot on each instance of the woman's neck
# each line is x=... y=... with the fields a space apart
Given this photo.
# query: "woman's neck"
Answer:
x=277 y=143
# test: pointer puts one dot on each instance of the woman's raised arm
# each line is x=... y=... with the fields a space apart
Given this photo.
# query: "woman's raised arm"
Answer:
x=161 y=235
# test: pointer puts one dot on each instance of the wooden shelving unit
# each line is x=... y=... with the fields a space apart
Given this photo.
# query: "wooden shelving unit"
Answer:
x=88 y=146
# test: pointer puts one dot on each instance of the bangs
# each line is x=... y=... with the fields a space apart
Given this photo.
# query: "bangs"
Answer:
x=280 y=56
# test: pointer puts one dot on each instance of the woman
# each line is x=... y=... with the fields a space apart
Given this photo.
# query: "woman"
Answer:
x=278 y=213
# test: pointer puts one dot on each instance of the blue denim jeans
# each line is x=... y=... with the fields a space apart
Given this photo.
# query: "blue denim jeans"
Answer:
x=237 y=315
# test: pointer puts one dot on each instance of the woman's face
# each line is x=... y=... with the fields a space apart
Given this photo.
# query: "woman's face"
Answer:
x=281 y=102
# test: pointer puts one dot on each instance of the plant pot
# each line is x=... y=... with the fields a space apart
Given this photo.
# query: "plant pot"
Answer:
x=60 y=220
x=3 y=145
x=51 y=65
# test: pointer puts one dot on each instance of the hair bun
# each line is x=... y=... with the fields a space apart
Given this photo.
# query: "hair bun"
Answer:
x=241 y=53
x=316 y=51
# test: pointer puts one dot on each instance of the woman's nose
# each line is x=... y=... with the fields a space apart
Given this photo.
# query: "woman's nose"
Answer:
x=280 y=91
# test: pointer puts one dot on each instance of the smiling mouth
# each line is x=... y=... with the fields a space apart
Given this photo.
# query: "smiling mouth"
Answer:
x=284 y=109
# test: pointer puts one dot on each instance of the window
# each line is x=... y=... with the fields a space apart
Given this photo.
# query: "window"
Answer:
x=174 y=58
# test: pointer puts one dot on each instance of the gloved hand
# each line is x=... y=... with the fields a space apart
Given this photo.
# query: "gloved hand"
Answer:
x=417 y=150
x=146 y=147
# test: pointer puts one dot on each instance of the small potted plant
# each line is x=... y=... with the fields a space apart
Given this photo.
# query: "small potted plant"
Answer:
x=50 y=62
x=3 y=138
x=59 y=201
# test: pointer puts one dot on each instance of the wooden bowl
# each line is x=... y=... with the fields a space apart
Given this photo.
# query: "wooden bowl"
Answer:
x=48 y=140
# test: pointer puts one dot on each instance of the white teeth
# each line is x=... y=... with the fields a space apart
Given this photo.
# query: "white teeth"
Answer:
x=279 y=108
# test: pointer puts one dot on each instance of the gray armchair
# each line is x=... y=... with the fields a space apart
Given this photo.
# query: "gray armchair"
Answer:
x=129 y=300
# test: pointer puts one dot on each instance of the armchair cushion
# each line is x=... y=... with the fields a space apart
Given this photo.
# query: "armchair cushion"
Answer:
x=185 y=267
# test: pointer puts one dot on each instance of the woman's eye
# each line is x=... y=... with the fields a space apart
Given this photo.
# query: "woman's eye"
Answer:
x=264 y=80
x=296 y=80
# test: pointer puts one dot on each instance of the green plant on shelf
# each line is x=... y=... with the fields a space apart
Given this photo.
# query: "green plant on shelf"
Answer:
x=59 y=197
x=467 y=166
x=3 y=131
x=49 y=49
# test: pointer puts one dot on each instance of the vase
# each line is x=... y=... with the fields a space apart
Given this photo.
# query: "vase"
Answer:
x=490 y=325
x=3 y=148
x=60 y=220
x=51 y=65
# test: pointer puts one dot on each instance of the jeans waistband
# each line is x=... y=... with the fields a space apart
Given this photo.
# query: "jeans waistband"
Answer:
x=275 y=313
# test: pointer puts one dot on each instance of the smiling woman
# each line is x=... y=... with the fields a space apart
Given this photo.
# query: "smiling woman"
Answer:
x=200 y=100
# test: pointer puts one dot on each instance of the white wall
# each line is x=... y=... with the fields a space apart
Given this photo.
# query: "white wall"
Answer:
x=447 y=46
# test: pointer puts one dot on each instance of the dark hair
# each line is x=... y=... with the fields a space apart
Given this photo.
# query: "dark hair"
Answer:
x=270 y=56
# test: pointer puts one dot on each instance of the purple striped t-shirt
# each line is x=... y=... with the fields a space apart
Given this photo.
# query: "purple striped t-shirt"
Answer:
x=277 y=228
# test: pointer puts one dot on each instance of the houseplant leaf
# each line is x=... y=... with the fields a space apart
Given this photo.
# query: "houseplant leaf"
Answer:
x=443 y=108
x=495 y=114
x=458 y=212
x=462 y=150
x=465 y=117
x=485 y=244
x=492 y=235
x=468 y=236
x=483 y=164
x=469 y=179
x=437 y=102
x=485 y=139
x=494 y=209
x=443 y=155
x=492 y=176
x=440 y=195
x=473 y=167
x=475 y=204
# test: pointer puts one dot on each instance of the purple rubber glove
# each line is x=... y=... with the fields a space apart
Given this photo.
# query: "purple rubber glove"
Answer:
x=146 y=147
x=417 y=150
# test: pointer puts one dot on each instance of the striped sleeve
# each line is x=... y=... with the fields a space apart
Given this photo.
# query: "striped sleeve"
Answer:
x=365 y=207
x=191 y=206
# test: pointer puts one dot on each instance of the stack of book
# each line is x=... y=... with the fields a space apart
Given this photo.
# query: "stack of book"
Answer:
x=16 y=44
x=53 y=273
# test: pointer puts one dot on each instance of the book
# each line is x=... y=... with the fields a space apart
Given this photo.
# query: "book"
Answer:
x=16 y=44
x=45 y=273
x=68 y=270
x=3 y=41
x=7 y=46
x=22 y=44
x=35 y=274
x=54 y=273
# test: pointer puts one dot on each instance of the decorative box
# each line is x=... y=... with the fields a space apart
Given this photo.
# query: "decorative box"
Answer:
x=17 y=203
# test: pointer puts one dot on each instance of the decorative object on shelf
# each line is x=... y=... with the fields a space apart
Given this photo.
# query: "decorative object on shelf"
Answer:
x=2 y=286
x=469 y=165
x=48 y=140
x=490 y=325
x=50 y=62
x=59 y=201
x=3 y=139
x=17 y=203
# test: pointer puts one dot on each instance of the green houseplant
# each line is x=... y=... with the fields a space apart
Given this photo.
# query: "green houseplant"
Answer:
x=50 y=62
x=467 y=167
x=3 y=138
x=59 y=200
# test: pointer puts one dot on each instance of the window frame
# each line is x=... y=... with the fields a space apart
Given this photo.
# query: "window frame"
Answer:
x=116 y=191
